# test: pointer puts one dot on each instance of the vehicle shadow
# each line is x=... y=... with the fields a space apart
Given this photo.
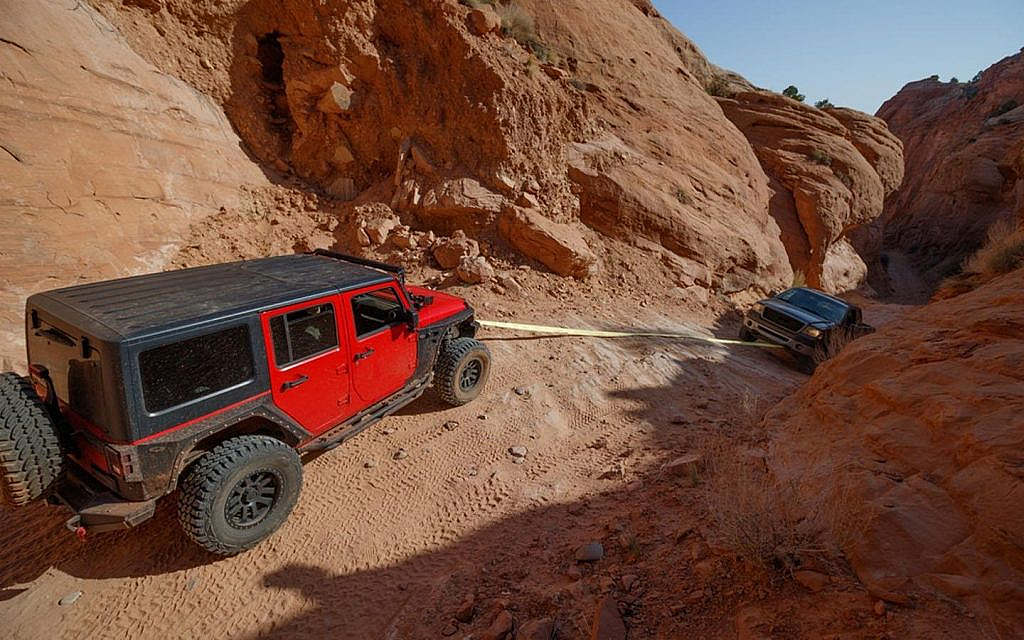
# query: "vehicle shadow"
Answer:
x=35 y=539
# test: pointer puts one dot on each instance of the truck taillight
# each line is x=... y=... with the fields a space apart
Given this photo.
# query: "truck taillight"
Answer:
x=38 y=374
x=120 y=463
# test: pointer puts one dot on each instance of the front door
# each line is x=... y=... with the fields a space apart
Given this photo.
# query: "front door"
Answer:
x=309 y=372
x=383 y=346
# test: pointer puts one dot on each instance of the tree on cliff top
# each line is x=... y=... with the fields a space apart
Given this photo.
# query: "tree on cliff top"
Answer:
x=792 y=92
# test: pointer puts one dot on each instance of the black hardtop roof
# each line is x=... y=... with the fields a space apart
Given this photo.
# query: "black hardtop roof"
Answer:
x=154 y=303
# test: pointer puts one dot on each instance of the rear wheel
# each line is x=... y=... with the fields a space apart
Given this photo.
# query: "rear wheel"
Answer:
x=462 y=370
x=237 y=495
x=30 y=454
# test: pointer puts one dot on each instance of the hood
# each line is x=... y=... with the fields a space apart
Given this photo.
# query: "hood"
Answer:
x=796 y=312
x=443 y=306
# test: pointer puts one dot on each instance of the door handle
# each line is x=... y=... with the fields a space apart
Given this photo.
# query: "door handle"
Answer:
x=291 y=384
x=363 y=355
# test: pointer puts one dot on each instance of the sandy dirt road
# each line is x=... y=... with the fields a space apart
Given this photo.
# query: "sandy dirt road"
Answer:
x=369 y=552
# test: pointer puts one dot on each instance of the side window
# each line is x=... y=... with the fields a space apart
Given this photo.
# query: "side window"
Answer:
x=303 y=333
x=375 y=310
x=177 y=373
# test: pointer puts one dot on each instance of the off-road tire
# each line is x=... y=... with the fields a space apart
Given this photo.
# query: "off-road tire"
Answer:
x=460 y=362
x=746 y=335
x=31 y=459
x=215 y=479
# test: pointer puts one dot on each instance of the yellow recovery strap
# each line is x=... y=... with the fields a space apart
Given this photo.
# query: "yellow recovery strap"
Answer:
x=565 y=331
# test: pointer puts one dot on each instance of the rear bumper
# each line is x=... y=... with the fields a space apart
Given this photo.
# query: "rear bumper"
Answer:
x=779 y=336
x=96 y=509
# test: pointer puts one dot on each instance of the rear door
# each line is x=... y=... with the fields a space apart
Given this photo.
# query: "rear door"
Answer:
x=309 y=369
x=383 y=346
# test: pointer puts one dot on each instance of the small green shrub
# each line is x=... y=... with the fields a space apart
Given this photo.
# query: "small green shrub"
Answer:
x=822 y=158
x=824 y=103
x=799 y=279
x=792 y=92
x=682 y=196
x=477 y=3
x=954 y=80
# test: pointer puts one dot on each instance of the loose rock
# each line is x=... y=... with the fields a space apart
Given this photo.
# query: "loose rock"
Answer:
x=70 y=599
x=812 y=580
x=449 y=251
x=591 y=552
x=608 y=624
x=541 y=629
x=466 y=610
x=518 y=451
x=474 y=270
x=500 y=628
x=400 y=454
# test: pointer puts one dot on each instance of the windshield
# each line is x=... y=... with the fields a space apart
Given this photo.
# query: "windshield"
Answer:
x=819 y=305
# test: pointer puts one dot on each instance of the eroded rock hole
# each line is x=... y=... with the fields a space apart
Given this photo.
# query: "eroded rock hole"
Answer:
x=271 y=57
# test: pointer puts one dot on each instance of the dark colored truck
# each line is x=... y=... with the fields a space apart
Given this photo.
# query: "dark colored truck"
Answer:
x=214 y=382
x=811 y=324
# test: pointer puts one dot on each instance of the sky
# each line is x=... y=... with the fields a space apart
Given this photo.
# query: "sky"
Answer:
x=856 y=54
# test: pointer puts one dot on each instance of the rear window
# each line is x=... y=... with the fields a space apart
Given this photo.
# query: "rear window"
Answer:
x=180 y=372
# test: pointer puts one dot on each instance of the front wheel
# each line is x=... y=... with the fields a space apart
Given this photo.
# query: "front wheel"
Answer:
x=237 y=495
x=462 y=370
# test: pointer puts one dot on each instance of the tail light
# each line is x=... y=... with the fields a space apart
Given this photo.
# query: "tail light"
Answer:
x=121 y=463
x=40 y=377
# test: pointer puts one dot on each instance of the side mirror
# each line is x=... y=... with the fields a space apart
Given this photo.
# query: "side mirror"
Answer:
x=412 y=318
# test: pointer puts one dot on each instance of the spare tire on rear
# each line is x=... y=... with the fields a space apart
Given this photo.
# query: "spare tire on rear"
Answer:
x=30 y=454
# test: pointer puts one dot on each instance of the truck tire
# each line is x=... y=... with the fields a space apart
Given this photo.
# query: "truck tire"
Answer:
x=462 y=370
x=746 y=335
x=31 y=459
x=237 y=495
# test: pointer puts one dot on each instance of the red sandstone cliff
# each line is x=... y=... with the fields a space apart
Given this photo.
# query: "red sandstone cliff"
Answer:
x=964 y=148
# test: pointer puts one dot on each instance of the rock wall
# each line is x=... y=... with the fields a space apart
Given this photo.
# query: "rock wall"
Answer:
x=964 y=146
x=106 y=161
x=923 y=423
x=830 y=170
x=431 y=109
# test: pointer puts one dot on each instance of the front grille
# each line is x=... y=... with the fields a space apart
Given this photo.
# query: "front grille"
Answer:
x=782 y=320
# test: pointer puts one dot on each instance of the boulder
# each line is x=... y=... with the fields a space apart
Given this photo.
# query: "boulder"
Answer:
x=474 y=270
x=483 y=20
x=449 y=252
x=560 y=247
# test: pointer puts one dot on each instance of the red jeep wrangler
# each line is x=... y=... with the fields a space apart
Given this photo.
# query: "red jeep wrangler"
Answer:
x=214 y=381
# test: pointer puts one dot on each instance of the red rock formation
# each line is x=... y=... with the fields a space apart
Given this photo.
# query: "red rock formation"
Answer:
x=963 y=144
x=922 y=422
x=462 y=120
x=106 y=161
x=829 y=169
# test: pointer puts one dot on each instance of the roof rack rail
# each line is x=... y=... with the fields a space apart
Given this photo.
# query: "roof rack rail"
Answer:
x=373 y=264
